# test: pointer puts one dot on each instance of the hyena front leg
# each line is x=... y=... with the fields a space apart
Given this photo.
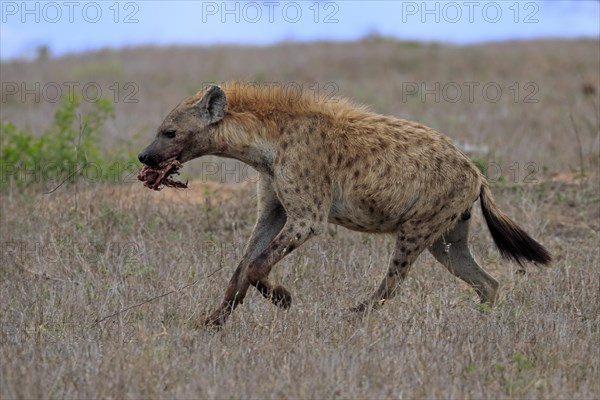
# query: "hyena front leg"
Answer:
x=405 y=253
x=305 y=195
x=270 y=221
x=293 y=235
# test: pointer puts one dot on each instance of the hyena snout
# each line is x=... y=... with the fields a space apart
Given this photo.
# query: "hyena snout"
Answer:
x=149 y=158
x=143 y=157
x=153 y=155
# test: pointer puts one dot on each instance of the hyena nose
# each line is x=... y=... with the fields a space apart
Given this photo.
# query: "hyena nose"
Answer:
x=143 y=157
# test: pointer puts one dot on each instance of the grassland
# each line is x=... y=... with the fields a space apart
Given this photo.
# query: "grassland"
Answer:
x=101 y=282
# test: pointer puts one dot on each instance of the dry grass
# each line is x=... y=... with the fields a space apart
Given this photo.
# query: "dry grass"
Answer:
x=99 y=252
x=87 y=251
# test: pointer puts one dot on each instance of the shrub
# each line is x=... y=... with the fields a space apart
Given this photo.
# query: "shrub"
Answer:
x=64 y=152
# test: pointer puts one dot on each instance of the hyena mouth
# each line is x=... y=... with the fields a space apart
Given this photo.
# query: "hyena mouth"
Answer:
x=156 y=178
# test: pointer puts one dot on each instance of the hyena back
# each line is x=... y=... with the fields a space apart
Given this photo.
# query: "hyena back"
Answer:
x=334 y=162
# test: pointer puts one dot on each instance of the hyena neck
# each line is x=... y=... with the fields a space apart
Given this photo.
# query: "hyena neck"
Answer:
x=248 y=142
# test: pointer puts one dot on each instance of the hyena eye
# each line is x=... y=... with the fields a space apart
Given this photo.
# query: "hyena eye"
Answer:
x=169 y=134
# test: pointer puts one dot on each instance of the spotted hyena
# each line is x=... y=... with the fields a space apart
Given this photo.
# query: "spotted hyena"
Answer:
x=336 y=162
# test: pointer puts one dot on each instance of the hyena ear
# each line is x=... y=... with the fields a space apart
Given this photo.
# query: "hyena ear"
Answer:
x=213 y=105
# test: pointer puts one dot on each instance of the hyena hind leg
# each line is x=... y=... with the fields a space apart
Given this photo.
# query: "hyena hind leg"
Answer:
x=405 y=253
x=453 y=252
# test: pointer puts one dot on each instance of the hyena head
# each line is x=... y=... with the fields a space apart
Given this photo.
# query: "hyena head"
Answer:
x=188 y=131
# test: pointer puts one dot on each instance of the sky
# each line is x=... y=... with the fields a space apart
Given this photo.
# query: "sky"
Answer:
x=77 y=26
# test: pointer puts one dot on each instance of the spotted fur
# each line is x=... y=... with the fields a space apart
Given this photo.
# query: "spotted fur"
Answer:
x=337 y=162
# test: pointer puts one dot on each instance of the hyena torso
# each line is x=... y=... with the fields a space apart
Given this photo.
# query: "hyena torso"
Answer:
x=386 y=174
x=336 y=162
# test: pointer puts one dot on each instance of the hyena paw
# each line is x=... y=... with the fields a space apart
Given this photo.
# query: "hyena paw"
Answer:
x=281 y=297
x=360 y=308
x=215 y=321
x=364 y=307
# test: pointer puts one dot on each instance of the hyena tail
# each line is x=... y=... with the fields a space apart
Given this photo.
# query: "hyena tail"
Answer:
x=512 y=241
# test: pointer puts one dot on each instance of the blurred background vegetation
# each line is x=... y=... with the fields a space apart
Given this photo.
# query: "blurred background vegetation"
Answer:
x=121 y=96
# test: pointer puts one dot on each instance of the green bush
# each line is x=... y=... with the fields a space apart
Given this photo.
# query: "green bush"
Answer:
x=65 y=152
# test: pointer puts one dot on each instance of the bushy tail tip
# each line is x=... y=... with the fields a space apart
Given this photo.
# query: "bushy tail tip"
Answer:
x=512 y=241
